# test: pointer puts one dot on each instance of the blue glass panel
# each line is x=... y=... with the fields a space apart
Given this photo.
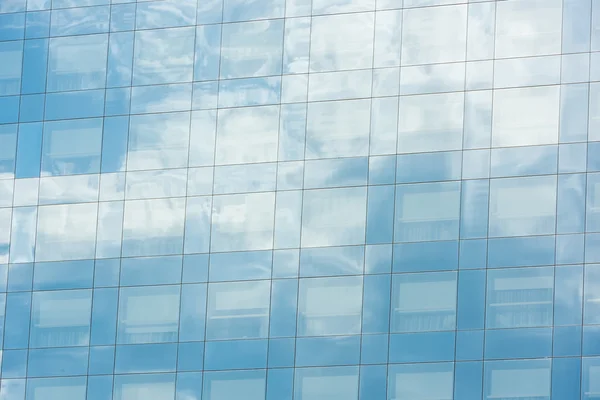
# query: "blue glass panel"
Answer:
x=473 y=254
x=20 y=277
x=335 y=172
x=286 y=263
x=567 y=298
x=468 y=382
x=380 y=214
x=189 y=385
x=570 y=207
x=443 y=166
x=284 y=300
x=165 y=13
x=151 y=271
x=340 y=350
x=63 y=275
x=373 y=382
x=100 y=387
x=10 y=69
x=60 y=318
x=374 y=349
x=120 y=59
x=517 y=378
x=8 y=139
x=260 y=60
x=117 y=101
x=238 y=310
x=469 y=345
x=80 y=21
x=430 y=381
x=249 y=385
x=83 y=104
x=122 y=17
x=104 y=316
x=330 y=306
x=102 y=360
x=518 y=343
x=12 y=26
x=236 y=354
x=32 y=108
x=127 y=387
x=195 y=268
x=329 y=261
x=148 y=314
x=161 y=98
x=474 y=209
x=566 y=378
x=37 y=25
x=378 y=258
x=567 y=341
x=424 y=302
x=57 y=388
x=569 y=249
x=9 y=109
x=520 y=297
x=14 y=364
x=471 y=299
x=281 y=352
x=522 y=206
x=193 y=312
x=425 y=256
x=333 y=383
x=146 y=358
x=280 y=384
x=427 y=211
x=114 y=144
x=72 y=147
x=591 y=341
x=34 y=66
x=422 y=347
x=173 y=46
x=57 y=362
x=16 y=331
x=521 y=251
x=376 y=307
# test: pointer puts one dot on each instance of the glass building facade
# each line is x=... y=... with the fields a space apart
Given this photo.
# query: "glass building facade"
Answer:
x=300 y=199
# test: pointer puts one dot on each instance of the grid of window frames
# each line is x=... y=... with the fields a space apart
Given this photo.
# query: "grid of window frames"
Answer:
x=300 y=199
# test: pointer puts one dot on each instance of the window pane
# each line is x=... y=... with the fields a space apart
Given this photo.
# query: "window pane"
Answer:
x=243 y=222
x=238 y=310
x=427 y=211
x=148 y=314
x=77 y=62
x=72 y=147
x=338 y=129
x=528 y=28
x=525 y=116
x=252 y=49
x=66 y=232
x=424 y=302
x=334 y=217
x=61 y=318
x=158 y=141
x=341 y=42
x=518 y=298
x=11 y=54
x=153 y=227
x=247 y=135
x=434 y=35
x=330 y=306
x=517 y=379
x=522 y=206
x=174 y=48
x=430 y=122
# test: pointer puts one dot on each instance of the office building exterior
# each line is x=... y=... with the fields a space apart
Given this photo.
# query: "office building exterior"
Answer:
x=300 y=199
